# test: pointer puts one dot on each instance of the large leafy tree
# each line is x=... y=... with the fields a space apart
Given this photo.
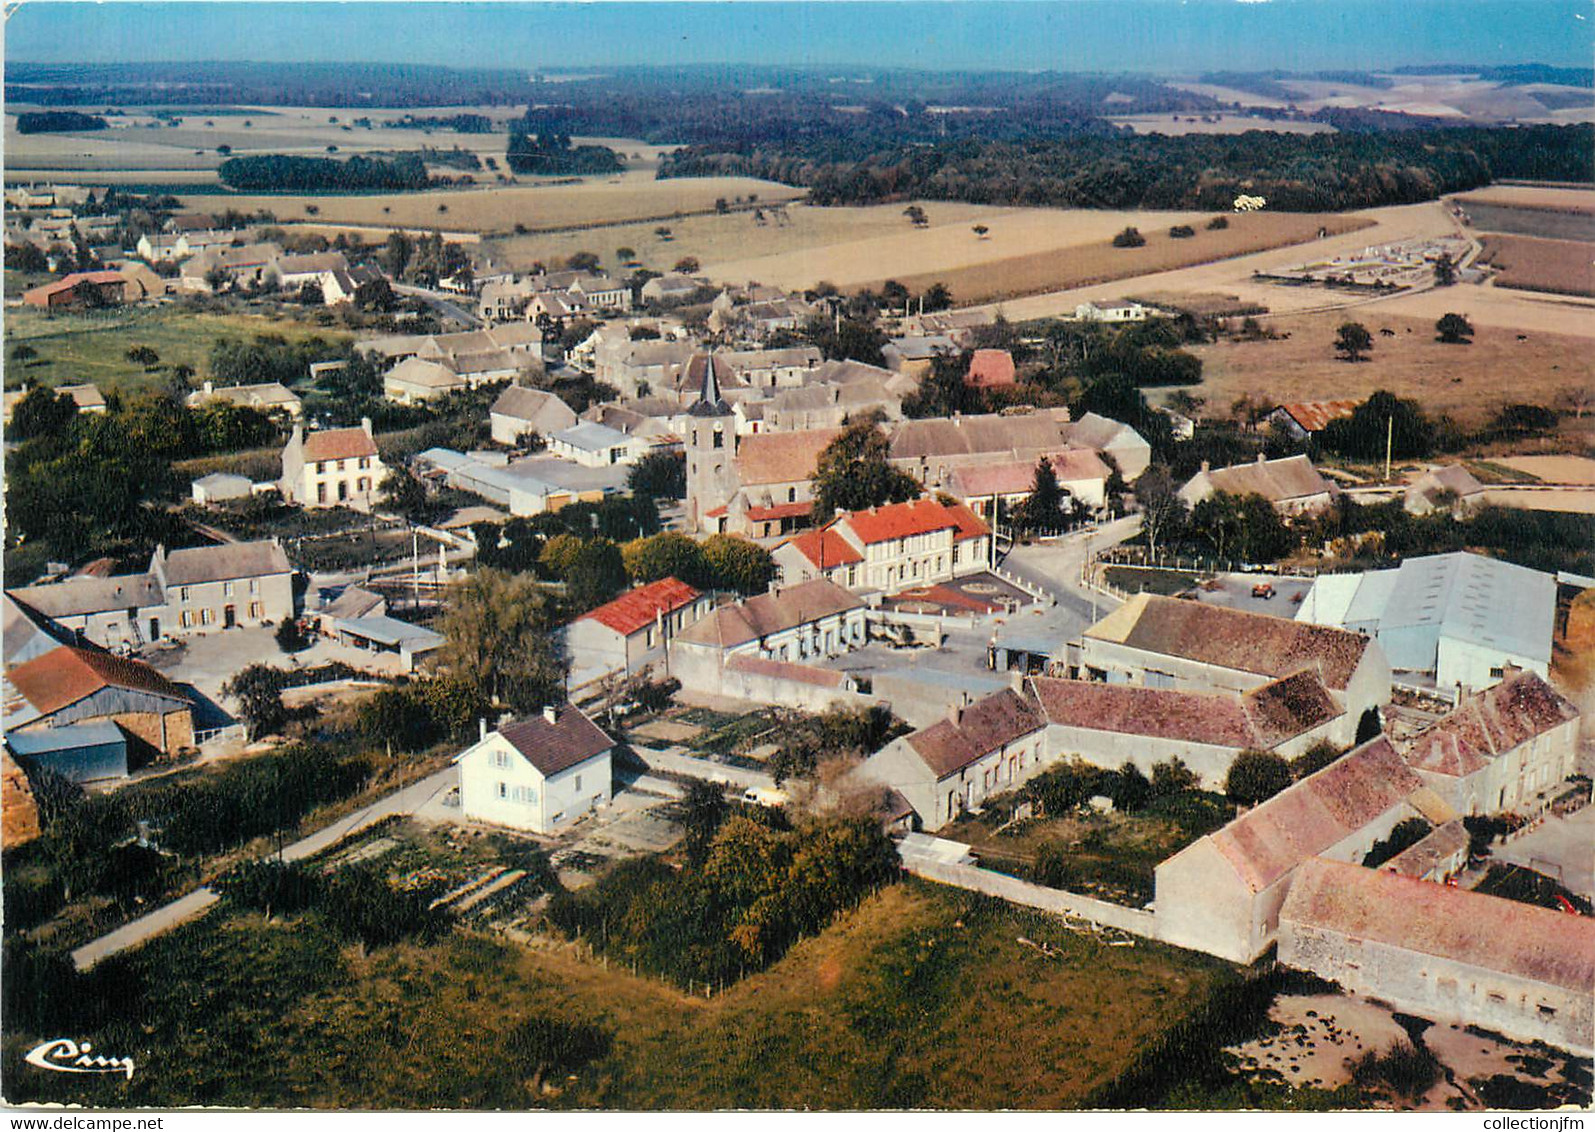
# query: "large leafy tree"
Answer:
x=1384 y=415
x=738 y=564
x=668 y=554
x=500 y=633
x=41 y=412
x=1454 y=329
x=853 y=473
x=1242 y=526
x=1352 y=341
x=1043 y=509
x=597 y=573
x=1163 y=513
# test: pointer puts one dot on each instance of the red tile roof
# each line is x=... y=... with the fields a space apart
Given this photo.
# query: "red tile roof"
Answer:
x=632 y=612
x=782 y=457
x=1490 y=724
x=970 y=525
x=989 y=369
x=786 y=670
x=825 y=547
x=339 y=444
x=63 y=676
x=897 y=520
x=68 y=282
x=1465 y=927
x=781 y=511
x=552 y=747
x=1017 y=477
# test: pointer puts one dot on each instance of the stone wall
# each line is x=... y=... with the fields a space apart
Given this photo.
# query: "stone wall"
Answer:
x=976 y=879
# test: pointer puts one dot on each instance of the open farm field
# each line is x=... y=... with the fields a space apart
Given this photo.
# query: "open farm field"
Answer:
x=1562 y=267
x=1531 y=196
x=1461 y=95
x=624 y=197
x=93 y=346
x=1468 y=382
x=889 y=1007
x=1026 y=249
x=1174 y=125
x=1532 y=220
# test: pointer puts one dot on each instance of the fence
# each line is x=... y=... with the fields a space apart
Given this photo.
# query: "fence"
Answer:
x=1195 y=563
x=230 y=732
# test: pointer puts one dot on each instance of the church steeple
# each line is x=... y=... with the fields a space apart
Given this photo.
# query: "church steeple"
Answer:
x=710 y=401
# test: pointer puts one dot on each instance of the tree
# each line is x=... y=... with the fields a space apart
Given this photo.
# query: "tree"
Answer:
x=659 y=475
x=1242 y=526
x=143 y=356
x=1043 y=508
x=1352 y=341
x=687 y=265
x=702 y=810
x=668 y=554
x=217 y=279
x=583 y=261
x=738 y=564
x=1163 y=513
x=1172 y=777
x=853 y=473
x=597 y=573
x=1382 y=416
x=662 y=232
x=1129 y=788
x=500 y=640
x=1129 y=238
x=258 y=690
x=42 y=412
x=916 y=216
x=1256 y=776
x=310 y=294
x=397 y=253
x=1445 y=270
x=22 y=353
x=290 y=638
x=1454 y=329
x=559 y=555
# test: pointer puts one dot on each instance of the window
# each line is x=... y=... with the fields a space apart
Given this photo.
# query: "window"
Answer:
x=227 y=589
x=578 y=783
x=321 y=467
x=719 y=439
x=182 y=594
x=343 y=490
x=186 y=619
x=648 y=641
x=791 y=495
x=256 y=611
x=503 y=790
x=341 y=463
x=501 y=758
x=321 y=493
x=365 y=462
x=205 y=617
x=254 y=585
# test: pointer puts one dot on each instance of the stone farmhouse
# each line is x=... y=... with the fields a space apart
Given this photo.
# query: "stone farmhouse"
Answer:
x=1222 y=893
x=1451 y=487
x=1292 y=485
x=1444 y=953
x=1509 y=747
x=537 y=774
x=266 y=397
x=78 y=686
x=931 y=449
x=1162 y=642
x=520 y=410
x=1303 y=419
x=983 y=487
x=1108 y=725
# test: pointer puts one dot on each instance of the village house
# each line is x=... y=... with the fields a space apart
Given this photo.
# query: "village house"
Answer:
x=218 y=487
x=670 y=288
x=77 y=686
x=248 y=268
x=890 y=548
x=636 y=369
x=929 y=449
x=537 y=774
x=552 y=308
x=1509 y=748
x=829 y=406
x=267 y=397
x=985 y=488
x=762 y=371
x=520 y=411
x=635 y=629
x=1291 y=484
x=1444 y=953
x=1450 y=488
x=914 y=356
x=506 y=298
x=1109 y=725
x=761 y=320
x=332 y=467
x=1122 y=310
x=87 y=398
x=789 y=624
x=1222 y=893
x=161 y=247
x=1162 y=642
x=417 y=380
x=1301 y=420
x=1451 y=622
x=955 y=764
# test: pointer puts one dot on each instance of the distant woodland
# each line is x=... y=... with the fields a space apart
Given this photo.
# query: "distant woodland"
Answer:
x=57 y=122
x=282 y=173
x=553 y=155
x=1294 y=172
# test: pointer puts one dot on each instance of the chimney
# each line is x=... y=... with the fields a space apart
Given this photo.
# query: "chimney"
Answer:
x=481 y=728
x=210 y=387
x=365 y=425
x=551 y=713
x=1207 y=466
x=1262 y=457
x=955 y=712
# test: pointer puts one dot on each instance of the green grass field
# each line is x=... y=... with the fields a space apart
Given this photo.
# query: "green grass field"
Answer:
x=922 y=997
x=92 y=346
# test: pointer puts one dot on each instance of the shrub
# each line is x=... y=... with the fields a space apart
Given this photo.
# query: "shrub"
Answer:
x=1256 y=776
x=1406 y=834
x=554 y=1046
x=1408 y=1070
x=1182 y=232
x=1172 y=777
x=1315 y=758
x=361 y=905
x=1129 y=238
x=1218 y=224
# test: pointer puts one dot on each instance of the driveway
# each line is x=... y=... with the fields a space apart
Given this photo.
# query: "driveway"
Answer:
x=1563 y=848
x=207 y=662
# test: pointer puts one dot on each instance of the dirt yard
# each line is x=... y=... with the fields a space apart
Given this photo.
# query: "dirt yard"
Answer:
x=1469 y=382
x=1563 y=267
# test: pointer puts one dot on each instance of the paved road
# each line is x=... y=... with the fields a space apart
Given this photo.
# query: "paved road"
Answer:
x=441 y=301
x=198 y=902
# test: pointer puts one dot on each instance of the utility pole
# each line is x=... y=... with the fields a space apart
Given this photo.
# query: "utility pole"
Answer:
x=1390 y=436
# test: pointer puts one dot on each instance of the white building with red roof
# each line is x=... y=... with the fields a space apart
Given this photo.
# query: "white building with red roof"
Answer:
x=890 y=548
x=633 y=630
x=1081 y=472
x=537 y=774
x=333 y=467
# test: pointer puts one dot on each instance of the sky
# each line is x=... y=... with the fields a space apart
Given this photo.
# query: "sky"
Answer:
x=1154 y=36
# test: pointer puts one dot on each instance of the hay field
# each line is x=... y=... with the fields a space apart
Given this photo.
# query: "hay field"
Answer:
x=1531 y=196
x=623 y=197
x=1469 y=382
x=1174 y=125
x=716 y=239
x=1561 y=267
x=1026 y=250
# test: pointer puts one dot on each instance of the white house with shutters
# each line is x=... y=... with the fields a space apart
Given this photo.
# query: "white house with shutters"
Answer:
x=537 y=774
